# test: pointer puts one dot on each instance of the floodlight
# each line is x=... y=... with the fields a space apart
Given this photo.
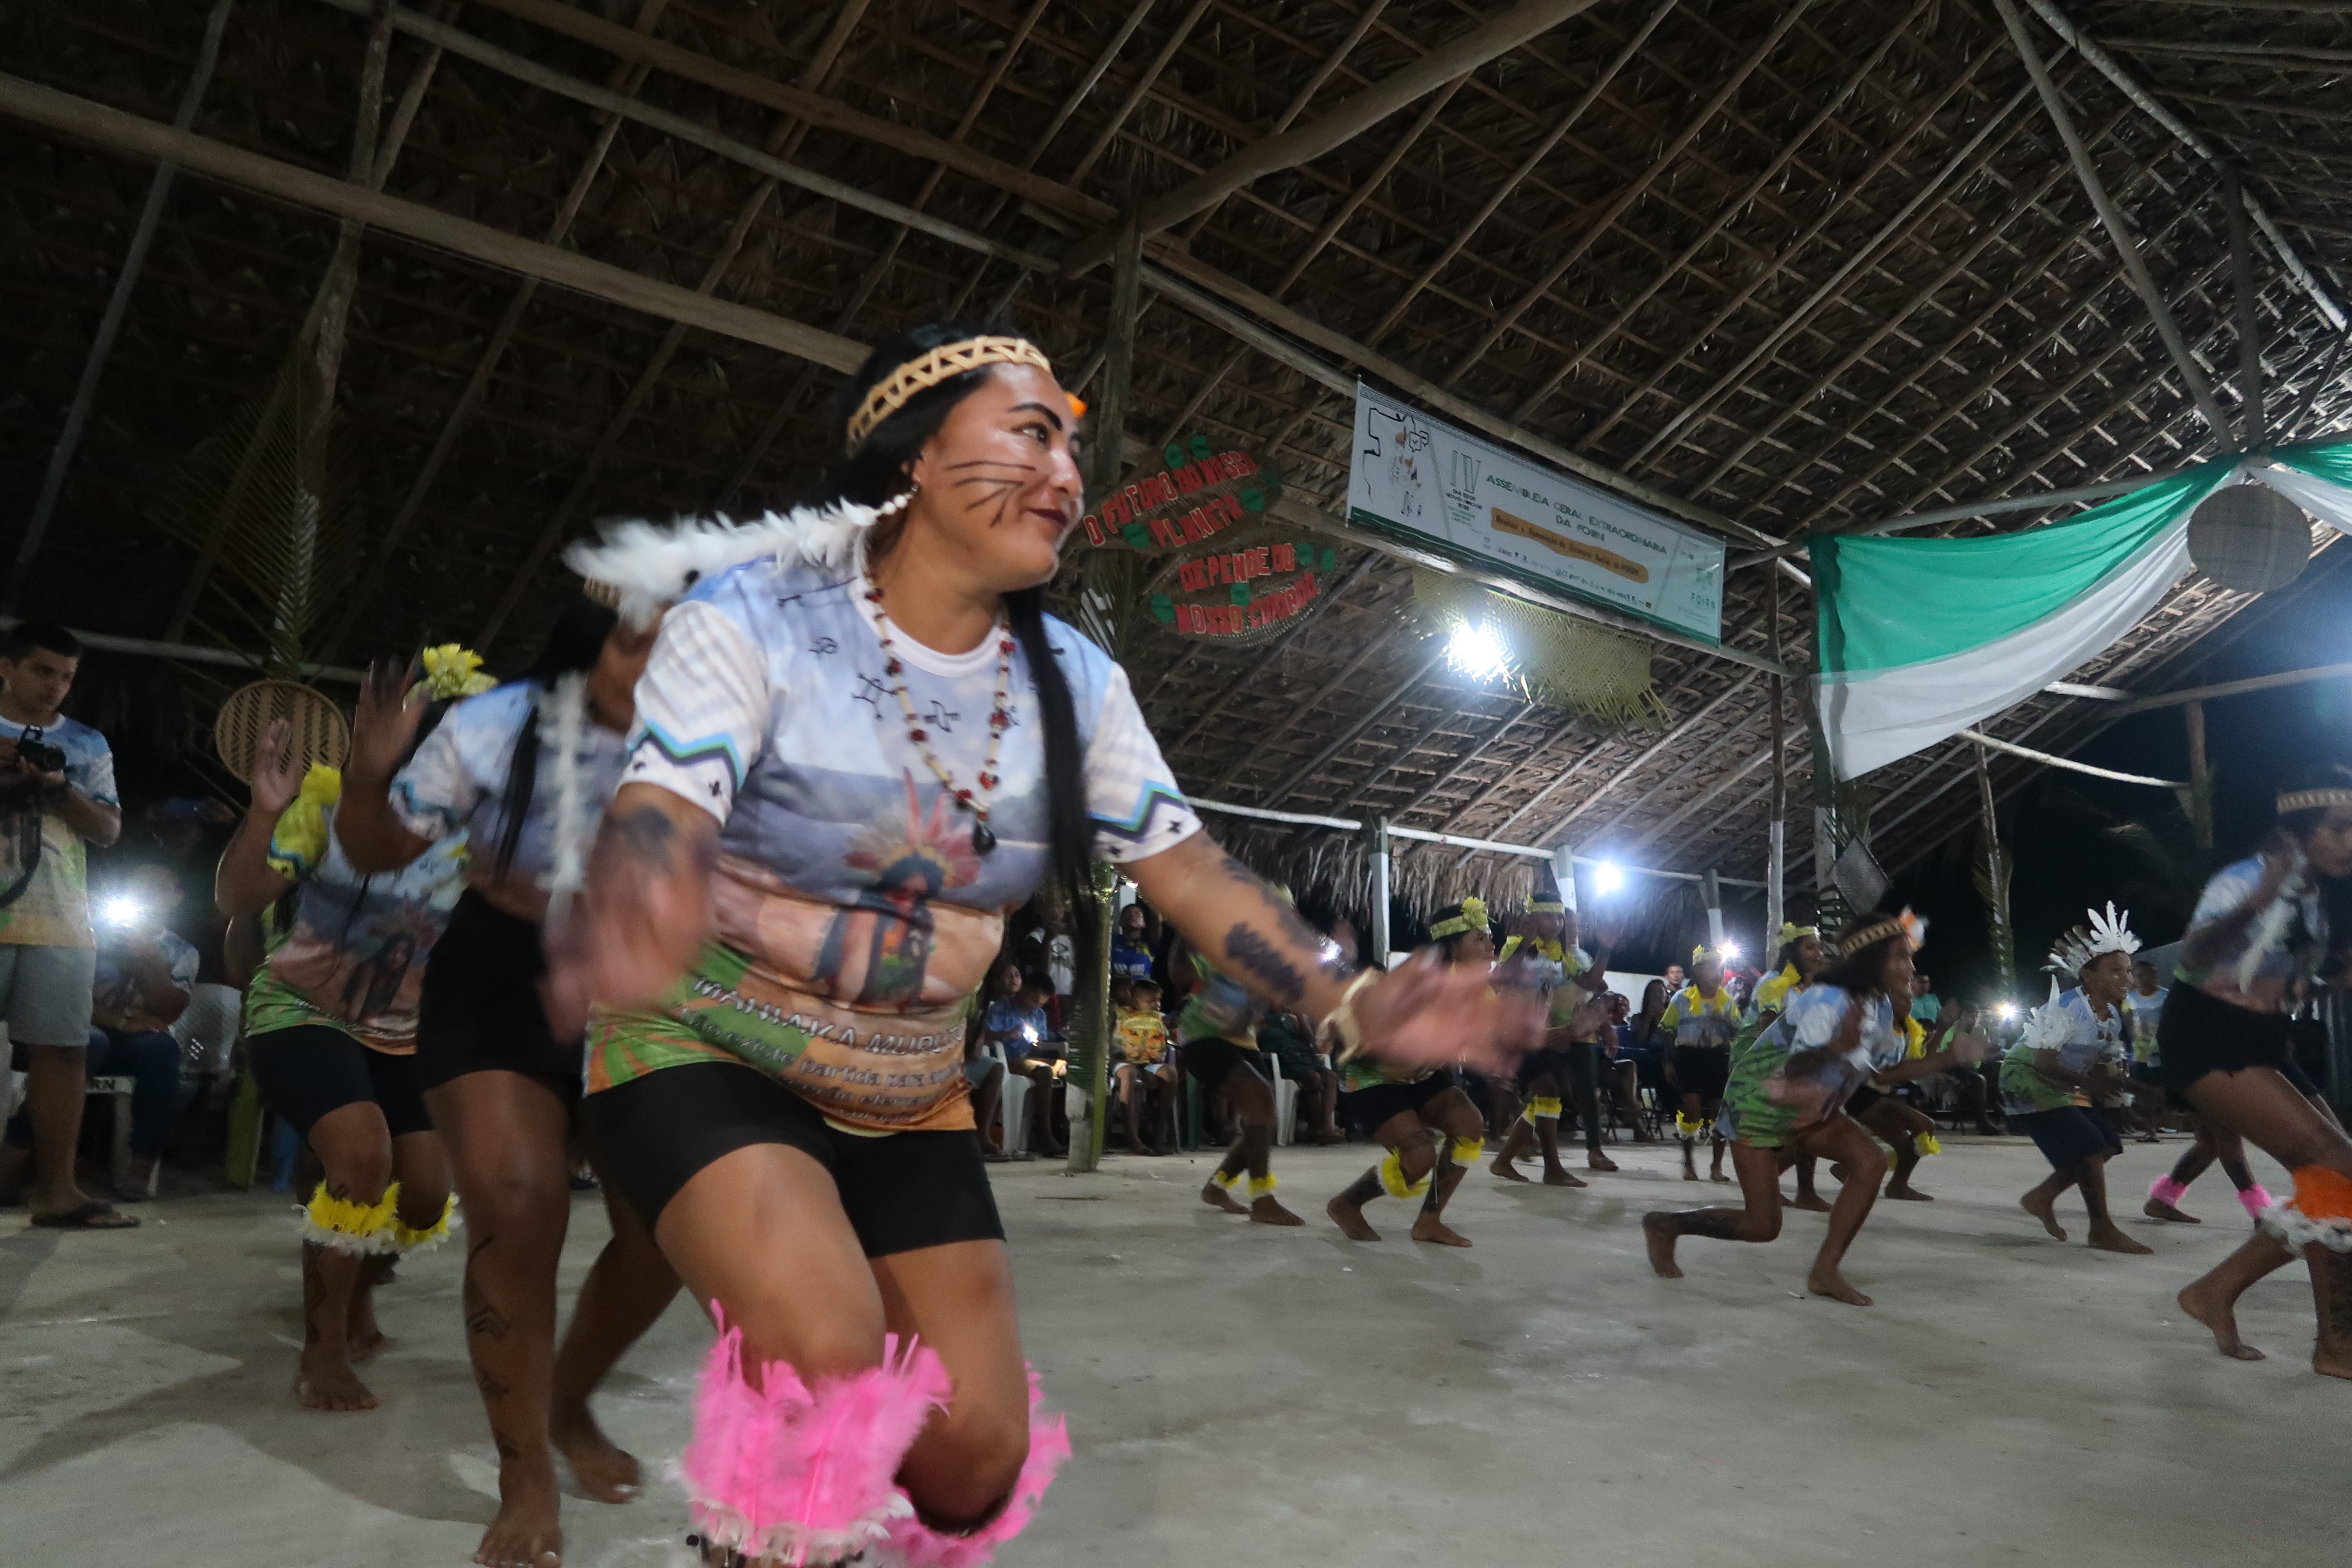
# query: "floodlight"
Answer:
x=1477 y=652
x=123 y=910
x=1608 y=878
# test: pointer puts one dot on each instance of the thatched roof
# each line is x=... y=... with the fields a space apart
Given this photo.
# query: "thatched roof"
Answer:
x=1777 y=267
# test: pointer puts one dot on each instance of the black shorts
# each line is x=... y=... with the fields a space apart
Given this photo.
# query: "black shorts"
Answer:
x=2200 y=1034
x=2068 y=1135
x=1862 y=1100
x=1369 y=1107
x=901 y=1192
x=1702 y=1070
x=308 y=1070
x=1557 y=1063
x=480 y=1010
x=1212 y=1061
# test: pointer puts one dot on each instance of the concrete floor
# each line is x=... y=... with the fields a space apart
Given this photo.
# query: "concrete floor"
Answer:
x=1252 y=1396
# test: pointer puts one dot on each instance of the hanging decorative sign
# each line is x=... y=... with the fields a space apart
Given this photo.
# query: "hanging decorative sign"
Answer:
x=1200 y=494
x=1239 y=593
x=1422 y=479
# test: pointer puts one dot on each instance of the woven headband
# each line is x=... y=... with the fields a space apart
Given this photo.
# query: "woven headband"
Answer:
x=1547 y=907
x=2314 y=799
x=1906 y=925
x=931 y=367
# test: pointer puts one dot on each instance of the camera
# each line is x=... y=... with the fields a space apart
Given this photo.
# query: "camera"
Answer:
x=37 y=755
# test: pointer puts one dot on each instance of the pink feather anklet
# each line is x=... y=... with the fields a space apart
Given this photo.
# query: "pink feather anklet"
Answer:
x=2254 y=1200
x=920 y=1546
x=2166 y=1191
x=806 y=1476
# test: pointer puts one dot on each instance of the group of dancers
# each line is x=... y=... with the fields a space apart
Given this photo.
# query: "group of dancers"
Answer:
x=706 y=892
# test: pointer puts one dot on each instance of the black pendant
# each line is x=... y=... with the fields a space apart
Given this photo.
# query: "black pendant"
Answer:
x=983 y=842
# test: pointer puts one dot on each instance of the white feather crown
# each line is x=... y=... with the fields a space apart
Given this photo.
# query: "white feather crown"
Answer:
x=2110 y=933
x=653 y=564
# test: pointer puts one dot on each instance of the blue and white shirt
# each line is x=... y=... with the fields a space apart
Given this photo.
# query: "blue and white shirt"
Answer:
x=458 y=781
x=2082 y=1039
x=2257 y=968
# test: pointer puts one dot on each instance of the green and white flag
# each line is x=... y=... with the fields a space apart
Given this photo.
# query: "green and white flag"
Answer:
x=1921 y=638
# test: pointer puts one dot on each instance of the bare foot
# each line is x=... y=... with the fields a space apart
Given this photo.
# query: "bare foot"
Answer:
x=324 y=1381
x=604 y=1470
x=2156 y=1209
x=2208 y=1306
x=1434 y=1229
x=1718 y=1176
x=2046 y=1211
x=2113 y=1240
x=1908 y=1194
x=1349 y=1219
x=1814 y=1201
x=1265 y=1211
x=1596 y=1162
x=1659 y=1234
x=1216 y=1197
x=1690 y=1172
x=1831 y=1283
x=1557 y=1177
x=527 y=1532
x=1506 y=1170
x=2331 y=1364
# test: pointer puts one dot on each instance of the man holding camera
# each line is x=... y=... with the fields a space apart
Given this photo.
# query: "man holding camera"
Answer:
x=56 y=796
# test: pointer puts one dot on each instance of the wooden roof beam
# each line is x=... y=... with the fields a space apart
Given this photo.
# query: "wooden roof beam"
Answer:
x=1304 y=143
x=2118 y=227
x=1728 y=210
x=1593 y=227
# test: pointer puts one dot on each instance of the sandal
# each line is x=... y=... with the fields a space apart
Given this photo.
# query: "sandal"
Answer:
x=91 y=1216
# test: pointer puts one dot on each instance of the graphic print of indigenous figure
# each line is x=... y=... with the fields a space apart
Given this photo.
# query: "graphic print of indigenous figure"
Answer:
x=911 y=862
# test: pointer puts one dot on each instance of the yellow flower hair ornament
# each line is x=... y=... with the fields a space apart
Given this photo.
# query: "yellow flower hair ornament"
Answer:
x=452 y=670
x=1791 y=932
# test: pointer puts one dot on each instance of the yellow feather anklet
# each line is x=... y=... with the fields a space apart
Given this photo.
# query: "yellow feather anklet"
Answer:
x=405 y=1238
x=342 y=1226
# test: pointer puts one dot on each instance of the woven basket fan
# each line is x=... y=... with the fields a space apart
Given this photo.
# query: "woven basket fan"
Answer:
x=320 y=734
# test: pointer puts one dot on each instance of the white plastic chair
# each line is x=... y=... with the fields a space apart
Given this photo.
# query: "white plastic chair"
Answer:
x=1013 y=1105
x=1286 y=1103
x=121 y=1087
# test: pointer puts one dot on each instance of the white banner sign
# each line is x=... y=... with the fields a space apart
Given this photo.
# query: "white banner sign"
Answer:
x=1421 y=478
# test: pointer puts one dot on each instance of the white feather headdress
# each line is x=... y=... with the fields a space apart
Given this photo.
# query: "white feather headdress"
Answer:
x=653 y=564
x=2109 y=933
x=2046 y=1026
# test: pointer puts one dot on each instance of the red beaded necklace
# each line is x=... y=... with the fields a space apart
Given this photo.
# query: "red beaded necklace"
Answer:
x=1000 y=719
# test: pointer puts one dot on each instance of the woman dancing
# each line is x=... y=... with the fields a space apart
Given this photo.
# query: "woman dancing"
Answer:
x=1787 y=1092
x=1704 y=1019
x=860 y=741
x=522 y=773
x=331 y=1032
x=1547 y=958
x=2259 y=932
x=2071 y=1054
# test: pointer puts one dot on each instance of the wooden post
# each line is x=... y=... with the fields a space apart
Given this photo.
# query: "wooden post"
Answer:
x=1379 y=934
x=2200 y=777
x=1710 y=890
x=2252 y=432
x=1776 y=863
x=1109 y=421
x=1994 y=883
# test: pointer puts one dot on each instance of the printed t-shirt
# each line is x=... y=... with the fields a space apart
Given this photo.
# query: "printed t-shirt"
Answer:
x=1220 y=1008
x=1707 y=1023
x=51 y=907
x=1021 y=1030
x=353 y=956
x=853 y=914
x=1754 y=1099
x=1130 y=959
x=2081 y=1041
x=1771 y=993
x=1545 y=962
x=458 y=781
x=1142 y=1036
x=2259 y=967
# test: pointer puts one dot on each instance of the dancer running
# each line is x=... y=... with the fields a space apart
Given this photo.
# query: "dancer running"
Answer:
x=522 y=773
x=331 y=1032
x=2070 y=1055
x=1787 y=1094
x=1705 y=1019
x=860 y=741
x=2259 y=934
x=1546 y=959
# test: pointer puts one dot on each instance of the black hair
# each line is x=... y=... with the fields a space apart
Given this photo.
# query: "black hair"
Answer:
x=877 y=471
x=26 y=636
x=1862 y=972
x=573 y=643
